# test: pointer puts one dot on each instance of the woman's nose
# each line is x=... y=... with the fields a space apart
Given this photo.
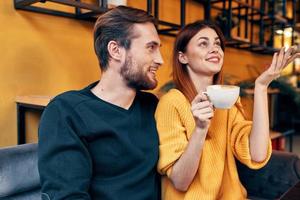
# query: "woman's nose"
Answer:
x=215 y=48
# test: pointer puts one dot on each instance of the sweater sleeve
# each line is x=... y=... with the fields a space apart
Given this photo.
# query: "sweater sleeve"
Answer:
x=63 y=161
x=240 y=138
x=172 y=134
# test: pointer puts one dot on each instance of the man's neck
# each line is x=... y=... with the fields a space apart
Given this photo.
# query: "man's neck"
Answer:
x=112 y=88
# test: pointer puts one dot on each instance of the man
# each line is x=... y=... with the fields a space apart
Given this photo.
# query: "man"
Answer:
x=101 y=142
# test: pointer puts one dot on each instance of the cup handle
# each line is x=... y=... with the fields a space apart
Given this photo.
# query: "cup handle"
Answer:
x=206 y=94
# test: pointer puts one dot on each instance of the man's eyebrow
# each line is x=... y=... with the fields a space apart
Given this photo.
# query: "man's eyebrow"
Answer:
x=153 y=43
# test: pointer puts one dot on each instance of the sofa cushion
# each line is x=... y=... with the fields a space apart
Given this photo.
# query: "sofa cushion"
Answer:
x=271 y=181
x=18 y=169
x=28 y=195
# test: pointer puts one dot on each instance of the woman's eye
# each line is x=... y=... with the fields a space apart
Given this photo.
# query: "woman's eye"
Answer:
x=218 y=43
x=203 y=44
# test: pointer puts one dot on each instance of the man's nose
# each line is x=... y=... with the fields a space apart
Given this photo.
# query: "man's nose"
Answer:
x=158 y=58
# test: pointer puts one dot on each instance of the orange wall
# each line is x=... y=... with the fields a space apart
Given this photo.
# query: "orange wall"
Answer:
x=40 y=55
x=46 y=55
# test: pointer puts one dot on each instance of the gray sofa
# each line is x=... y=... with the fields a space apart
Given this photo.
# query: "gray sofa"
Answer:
x=270 y=182
x=19 y=179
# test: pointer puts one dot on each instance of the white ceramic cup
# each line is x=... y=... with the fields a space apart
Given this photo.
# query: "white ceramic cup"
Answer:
x=222 y=96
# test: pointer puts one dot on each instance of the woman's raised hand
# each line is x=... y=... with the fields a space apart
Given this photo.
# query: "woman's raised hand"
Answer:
x=202 y=110
x=280 y=60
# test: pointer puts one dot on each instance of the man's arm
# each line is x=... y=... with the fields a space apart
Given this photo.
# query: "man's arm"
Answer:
x=64 y=163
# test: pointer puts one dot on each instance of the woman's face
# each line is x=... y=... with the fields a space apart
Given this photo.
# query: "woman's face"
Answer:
x=204 y=54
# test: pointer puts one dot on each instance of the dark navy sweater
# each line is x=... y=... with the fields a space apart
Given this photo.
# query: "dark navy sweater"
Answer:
x=91 y=149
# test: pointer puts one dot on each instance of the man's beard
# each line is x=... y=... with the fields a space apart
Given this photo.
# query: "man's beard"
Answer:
x=135 y=77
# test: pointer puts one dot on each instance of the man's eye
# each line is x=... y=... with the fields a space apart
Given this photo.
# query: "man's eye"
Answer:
x=151 y=47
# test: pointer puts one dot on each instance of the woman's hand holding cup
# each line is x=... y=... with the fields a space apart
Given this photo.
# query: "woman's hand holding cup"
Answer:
x=202 y=110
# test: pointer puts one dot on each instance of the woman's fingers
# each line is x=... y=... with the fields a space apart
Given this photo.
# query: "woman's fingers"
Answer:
x=199 y=98
x=293 y=57
x=203 y=116
x=203 y=110
x=280 y=59
x=201 y=105
x=287 y=55
x=274 y=62
x=290 y=55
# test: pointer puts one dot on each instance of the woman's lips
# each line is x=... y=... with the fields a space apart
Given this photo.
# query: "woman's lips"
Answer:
x=213 y=59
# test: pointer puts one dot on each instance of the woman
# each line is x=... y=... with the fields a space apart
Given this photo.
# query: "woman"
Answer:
x=198 y=143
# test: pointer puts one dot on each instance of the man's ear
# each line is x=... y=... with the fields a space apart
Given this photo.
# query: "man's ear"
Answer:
x=182 y=58
x=114 y=50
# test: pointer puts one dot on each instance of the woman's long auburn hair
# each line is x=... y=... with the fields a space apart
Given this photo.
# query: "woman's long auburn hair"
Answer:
x=181 y=77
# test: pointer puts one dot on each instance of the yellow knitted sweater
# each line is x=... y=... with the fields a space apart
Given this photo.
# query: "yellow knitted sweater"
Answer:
x=228 y=138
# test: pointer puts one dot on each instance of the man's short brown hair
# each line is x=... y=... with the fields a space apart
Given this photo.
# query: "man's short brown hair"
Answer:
x=117 y=24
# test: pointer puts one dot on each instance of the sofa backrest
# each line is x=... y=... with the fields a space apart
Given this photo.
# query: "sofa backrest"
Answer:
x=19 y=177
x=273 y=180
